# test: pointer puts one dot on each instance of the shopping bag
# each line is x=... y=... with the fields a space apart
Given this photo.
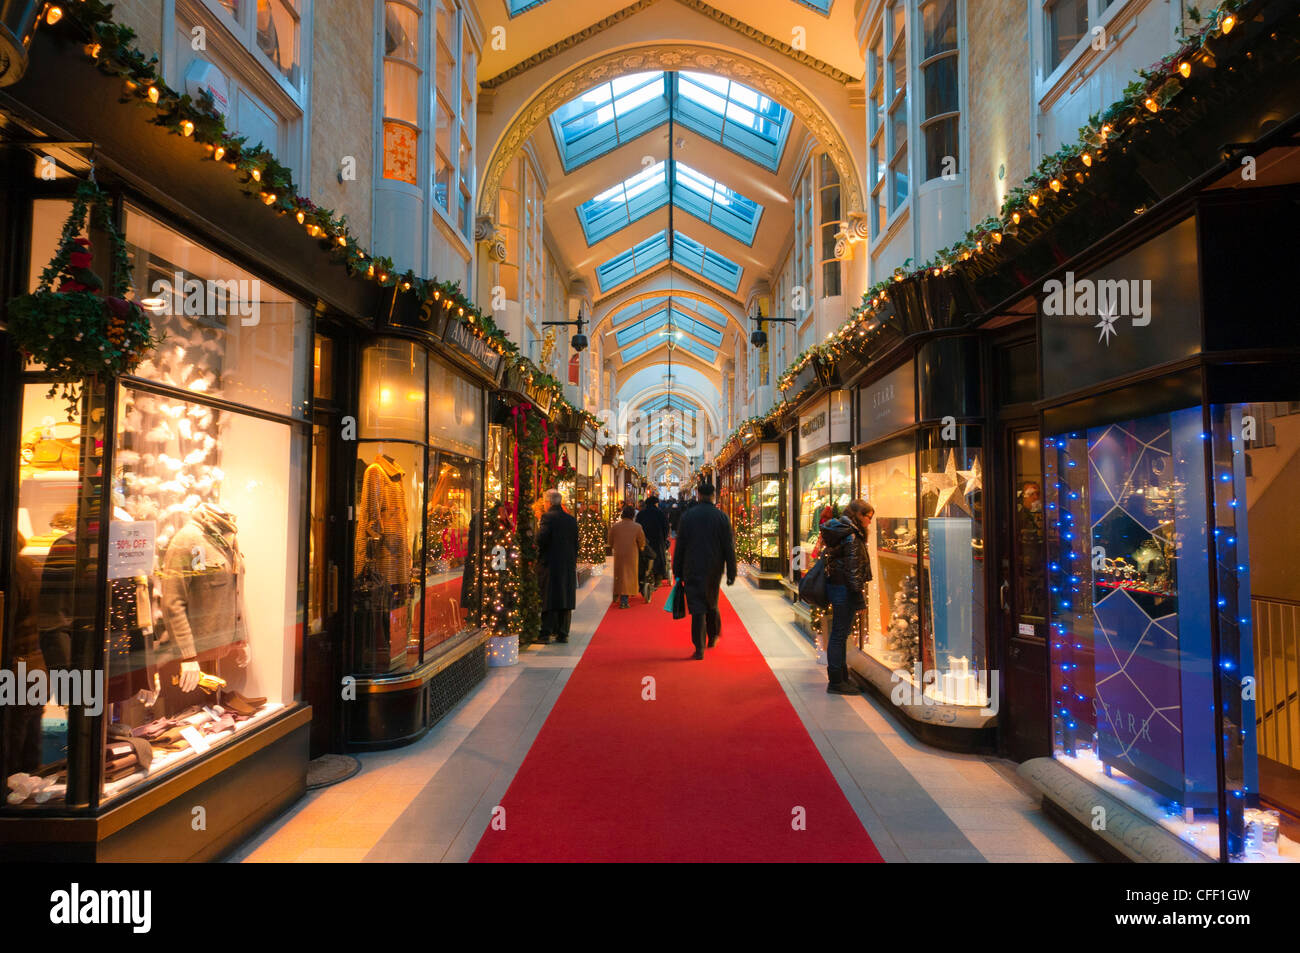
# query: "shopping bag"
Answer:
x=676 y=601
x=812 y=587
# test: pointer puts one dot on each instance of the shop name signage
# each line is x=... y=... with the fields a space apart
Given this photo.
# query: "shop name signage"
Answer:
x=1107 y=299
x=474 y=347
x=1086 y=324
x=887 y=405
x=828 y=424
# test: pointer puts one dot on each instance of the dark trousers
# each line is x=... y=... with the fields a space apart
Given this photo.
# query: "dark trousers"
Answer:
x=555 y=622
x=705 y=623
x=844 y=609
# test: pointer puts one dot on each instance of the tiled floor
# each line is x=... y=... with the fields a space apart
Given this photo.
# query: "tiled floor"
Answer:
x=431 y=801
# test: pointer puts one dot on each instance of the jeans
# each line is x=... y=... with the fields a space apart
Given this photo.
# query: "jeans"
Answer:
x=844 y=608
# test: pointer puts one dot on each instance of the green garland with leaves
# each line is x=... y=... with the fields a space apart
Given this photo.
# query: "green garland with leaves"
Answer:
x=76 y=332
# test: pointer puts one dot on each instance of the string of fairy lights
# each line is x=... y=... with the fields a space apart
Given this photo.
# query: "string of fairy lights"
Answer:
x=111 y=47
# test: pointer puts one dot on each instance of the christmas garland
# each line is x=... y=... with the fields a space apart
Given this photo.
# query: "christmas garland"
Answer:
x=111 y=47
x=1144 y=100
x=77 y=332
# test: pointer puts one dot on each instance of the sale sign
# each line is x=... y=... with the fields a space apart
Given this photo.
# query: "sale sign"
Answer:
x=130 y=548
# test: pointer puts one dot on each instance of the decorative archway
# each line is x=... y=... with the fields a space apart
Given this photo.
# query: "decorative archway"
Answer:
x=671 y=57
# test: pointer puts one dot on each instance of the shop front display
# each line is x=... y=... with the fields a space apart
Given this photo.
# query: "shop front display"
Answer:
x=1171 y=553
x=824 y=475
x=418 y=490
x=765 y=507
x=184 y=639
x=921 y=466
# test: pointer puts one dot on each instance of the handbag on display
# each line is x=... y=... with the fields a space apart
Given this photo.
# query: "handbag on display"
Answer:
x=812 y=587
x=57 y=447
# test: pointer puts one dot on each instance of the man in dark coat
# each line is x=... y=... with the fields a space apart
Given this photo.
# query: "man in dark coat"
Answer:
x=705 y=546
x=557 y=559
x=655 y=525
x=675 y=516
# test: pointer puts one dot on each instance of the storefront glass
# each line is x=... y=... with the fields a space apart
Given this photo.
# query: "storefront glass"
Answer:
x=951 y=552
x=824 y=488
x=1140 y=592
x=892 y=629
x=200 y=624
x=418 y=488
x=1133 y=695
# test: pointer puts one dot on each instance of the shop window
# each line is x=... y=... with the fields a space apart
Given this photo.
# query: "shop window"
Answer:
x=225 y=333
x=825 y=490
x=896 y=87
x=1143 y=584
x=452 y=531
x=891 y=630
x=951 y=559
x=455 y=411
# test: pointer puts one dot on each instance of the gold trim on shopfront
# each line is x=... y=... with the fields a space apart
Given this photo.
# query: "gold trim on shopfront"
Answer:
x=469 y=641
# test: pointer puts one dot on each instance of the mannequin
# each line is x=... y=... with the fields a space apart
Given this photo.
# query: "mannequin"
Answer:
x=201 y=577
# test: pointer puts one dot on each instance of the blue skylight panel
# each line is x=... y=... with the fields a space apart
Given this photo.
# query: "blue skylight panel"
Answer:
x=609 y=115
x=745 y=121
x=627 y=265
x=637 y=349
x=712 y=202
x=634 y=331
x=523 y=6
x=705 y=262
x=626 y=202
x=698 y=349
x=821 y=6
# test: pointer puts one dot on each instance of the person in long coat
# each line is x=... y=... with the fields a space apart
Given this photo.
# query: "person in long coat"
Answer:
x=705 y=547
x=655 y=524
x=626 y=539
x=557 y=560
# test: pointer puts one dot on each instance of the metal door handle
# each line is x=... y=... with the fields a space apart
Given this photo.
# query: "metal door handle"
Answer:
x=1002 y=595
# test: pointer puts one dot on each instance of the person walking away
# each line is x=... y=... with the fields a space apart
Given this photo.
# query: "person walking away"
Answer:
x=626 y=539
x=674 y=517
x=843 y=541
x=655 y=525
x=705 y=547
x=557 y=560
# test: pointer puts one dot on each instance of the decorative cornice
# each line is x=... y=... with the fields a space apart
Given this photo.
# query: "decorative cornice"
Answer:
x=672 y=56
x=699 y=6
x=771 y=42
x=541 y=56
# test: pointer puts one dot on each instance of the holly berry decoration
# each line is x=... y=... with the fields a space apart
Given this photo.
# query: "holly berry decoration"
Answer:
x=78 y=276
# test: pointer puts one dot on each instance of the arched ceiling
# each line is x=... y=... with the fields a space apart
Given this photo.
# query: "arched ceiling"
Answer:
x=669 y=135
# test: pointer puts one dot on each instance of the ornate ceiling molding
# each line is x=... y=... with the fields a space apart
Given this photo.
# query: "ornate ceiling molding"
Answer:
x=668 y=57
x=618 y=16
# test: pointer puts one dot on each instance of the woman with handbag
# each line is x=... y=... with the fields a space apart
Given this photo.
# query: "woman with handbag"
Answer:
x=848 y=570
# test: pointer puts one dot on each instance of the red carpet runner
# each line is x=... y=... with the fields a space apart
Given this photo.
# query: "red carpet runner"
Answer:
x=712 y=770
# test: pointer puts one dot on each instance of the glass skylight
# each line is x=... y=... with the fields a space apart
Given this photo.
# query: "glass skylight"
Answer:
x=626 y=266
x=745 y=121
x=522 y=6
x=730 y=113
x=688 y=307
x=687 y=252
x=609 y=115
x=656 y=321
x=707 y=199
x=705 y=262
x=821 y=6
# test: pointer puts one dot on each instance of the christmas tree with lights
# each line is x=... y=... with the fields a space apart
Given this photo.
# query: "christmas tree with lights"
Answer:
x=591 y=537
x=904 y=635
x=499 y=610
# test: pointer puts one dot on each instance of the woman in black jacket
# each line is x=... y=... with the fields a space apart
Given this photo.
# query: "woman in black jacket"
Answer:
x=848 y=570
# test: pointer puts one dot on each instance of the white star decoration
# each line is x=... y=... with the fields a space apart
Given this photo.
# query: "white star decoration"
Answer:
x=1107 y=323
x=974 y=477
x=946 y=485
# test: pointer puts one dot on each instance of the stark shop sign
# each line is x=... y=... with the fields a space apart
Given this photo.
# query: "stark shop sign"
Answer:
x=1107 y=299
